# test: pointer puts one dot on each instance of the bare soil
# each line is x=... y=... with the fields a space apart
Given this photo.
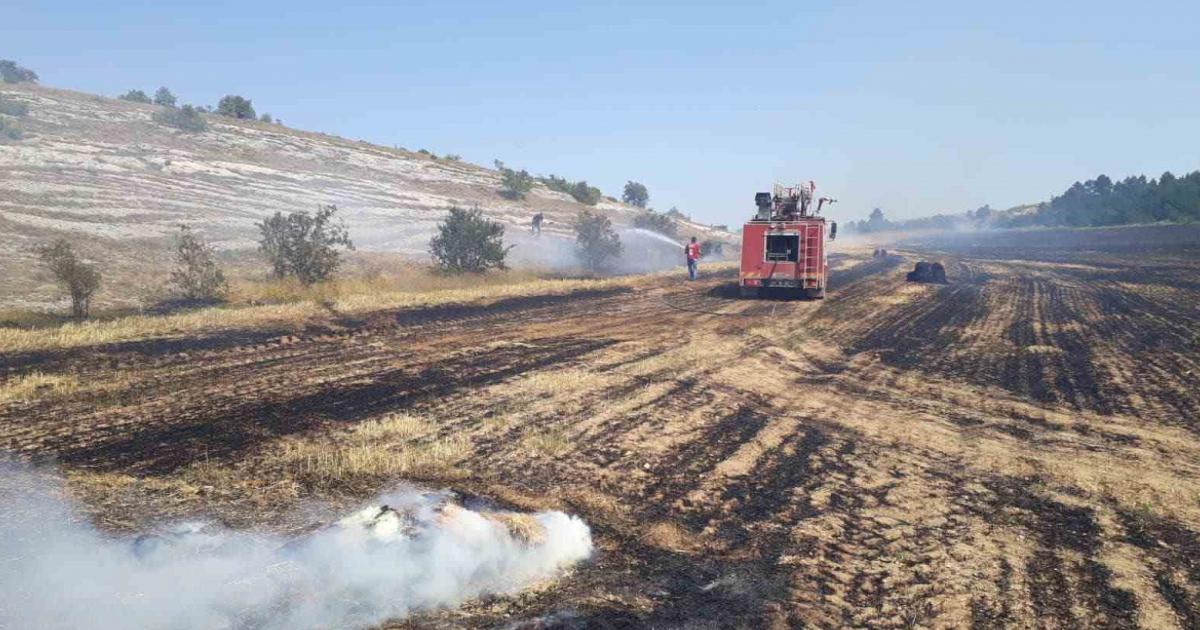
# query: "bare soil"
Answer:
x=1017 y=448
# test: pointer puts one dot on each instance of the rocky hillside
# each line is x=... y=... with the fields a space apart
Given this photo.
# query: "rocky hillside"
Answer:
x=102 y=172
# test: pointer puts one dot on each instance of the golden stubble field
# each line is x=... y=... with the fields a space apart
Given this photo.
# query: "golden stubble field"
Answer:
x=1015 y=449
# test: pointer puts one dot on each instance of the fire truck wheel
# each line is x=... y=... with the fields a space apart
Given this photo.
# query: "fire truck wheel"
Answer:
x=748 y=292
x=814 y=294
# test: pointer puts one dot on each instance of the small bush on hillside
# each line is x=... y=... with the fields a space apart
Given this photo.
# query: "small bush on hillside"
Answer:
x=585 y=194
x=10 y=130
x=635 y=194
x=596 y=243
x=80 y=280
x=579 y=190
x=135 y=96
x=13 y=108
x=196 y=275
x=304 y=246
x=186 y=118
x=467 y=241
x=164 y=97
x=235 y=106
x=10 y=72
x=675 y=213
x=266 y=118
x=453 y=157
x=655 y=222
x=514 y=184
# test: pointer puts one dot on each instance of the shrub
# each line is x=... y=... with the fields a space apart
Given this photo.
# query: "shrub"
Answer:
x=595 y=240
x=266 y=118
x=135 y=96
x=711 y=248
x=80 y=280
x=675 y=213
x=655 y=222
x=12 y=73
x=635 y=194
x=514 y=184
x=453 y=157
x=9 y=130
x=196 y=275
x=235 y=106
x=585 y=194
x=186 y=118
x=303 y=245
x=579 y=190
x=13 y=108
x=468 y=242
x=164 y=97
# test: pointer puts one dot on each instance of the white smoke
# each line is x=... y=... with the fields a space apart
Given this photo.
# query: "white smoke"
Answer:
x=422 y=552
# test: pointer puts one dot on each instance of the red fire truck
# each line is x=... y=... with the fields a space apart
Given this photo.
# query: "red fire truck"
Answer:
x=783 y=246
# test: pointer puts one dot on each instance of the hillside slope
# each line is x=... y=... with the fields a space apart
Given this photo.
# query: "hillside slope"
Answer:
x=103 y=173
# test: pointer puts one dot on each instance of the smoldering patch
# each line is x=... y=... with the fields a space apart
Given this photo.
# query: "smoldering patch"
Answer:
x=407 y=551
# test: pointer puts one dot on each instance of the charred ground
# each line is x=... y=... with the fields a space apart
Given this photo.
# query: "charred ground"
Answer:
x=1017 y=448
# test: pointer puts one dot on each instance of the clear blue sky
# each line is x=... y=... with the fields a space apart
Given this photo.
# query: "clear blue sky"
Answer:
x=914 y=107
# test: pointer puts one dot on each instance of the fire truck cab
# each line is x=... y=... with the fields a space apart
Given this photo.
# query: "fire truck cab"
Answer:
x=783 y=246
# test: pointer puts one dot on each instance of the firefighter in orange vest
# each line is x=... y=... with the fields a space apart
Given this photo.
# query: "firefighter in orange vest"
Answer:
x=692 y=250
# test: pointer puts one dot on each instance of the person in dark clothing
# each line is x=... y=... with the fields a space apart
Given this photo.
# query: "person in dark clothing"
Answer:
x=536 y=226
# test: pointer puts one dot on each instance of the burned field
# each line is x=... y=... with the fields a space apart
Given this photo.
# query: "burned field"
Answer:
x=1017 y=448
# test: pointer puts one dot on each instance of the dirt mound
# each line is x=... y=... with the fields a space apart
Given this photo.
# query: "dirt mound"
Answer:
x=927 y=272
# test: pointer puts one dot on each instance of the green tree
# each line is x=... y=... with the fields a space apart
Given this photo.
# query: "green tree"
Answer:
x=580 y=191
x=655 y=222
x=186 y=118
x=635 y=194
x=136 y=96
x=468 y=242
x=596 y=243
x=196 y=275
x=514 y=184
x=79 y=279
x=876 y=223
x=164 y=97
x=588 y=195
x=304 y=246
x=235 y=106
x=10 y=72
